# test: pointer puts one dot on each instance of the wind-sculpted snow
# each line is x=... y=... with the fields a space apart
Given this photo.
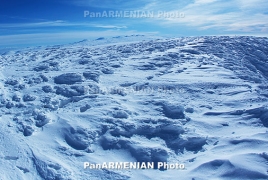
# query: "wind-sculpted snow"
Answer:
x=68 y=78
x=197 y=101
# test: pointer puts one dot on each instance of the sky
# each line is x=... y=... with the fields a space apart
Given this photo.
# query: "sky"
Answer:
x=48 y=22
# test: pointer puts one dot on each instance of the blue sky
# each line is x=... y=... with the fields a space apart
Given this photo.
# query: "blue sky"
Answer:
x=47 y=22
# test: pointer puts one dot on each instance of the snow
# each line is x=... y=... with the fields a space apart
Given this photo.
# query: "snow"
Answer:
x=197 y=101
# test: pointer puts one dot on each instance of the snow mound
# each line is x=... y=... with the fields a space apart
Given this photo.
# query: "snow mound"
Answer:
x=68 y=78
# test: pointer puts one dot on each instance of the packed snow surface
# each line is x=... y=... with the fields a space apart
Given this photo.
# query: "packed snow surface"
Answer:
x=197 y=101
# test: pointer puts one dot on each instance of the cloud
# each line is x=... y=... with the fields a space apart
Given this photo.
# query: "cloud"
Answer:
x=35 y=24
x=60 y=23
x=204 y=1
x=253 y=5
x=223 y=15
x=108 y=26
